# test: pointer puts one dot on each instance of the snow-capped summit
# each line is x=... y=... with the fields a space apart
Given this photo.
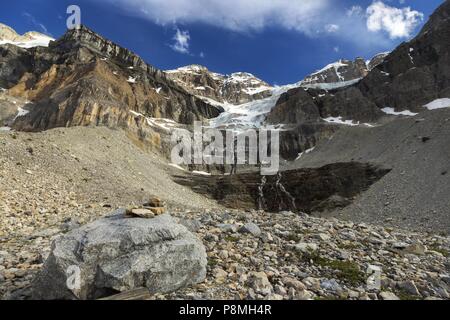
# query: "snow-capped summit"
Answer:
x=340 y=71
x=28 y=40
x=376 y=60
x=236 y=88
x=343 y=71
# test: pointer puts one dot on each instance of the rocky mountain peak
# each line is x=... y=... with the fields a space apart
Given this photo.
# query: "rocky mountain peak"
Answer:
x=28 y=40
x=438 y=19
x=376 y=60
x=7 y=33
x=236 y=88
x=344 y=70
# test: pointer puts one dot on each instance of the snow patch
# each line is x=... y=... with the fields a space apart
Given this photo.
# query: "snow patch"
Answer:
x=392 y=111
x=131 y=80
x=201 y=173
x=21 y=112
x=338 y=120
x=35 y=41
x=162 y=123
x=438 y=104
x=330 y=86
x=335 y=66
x=304 y=152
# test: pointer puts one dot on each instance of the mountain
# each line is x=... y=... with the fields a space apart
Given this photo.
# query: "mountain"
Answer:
x=28 y=40
x=84 y=79
x=236 y=88
x=343 y=71
x=366 y=144
x=413 y=75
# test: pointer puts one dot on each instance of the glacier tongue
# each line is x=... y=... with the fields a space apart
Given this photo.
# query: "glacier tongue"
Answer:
x=248 y=115
x=252 y=114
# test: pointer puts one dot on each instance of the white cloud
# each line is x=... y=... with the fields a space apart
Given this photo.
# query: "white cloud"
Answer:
x=237 y=15
x=331 y=28
x=181 y=39
x=398 y=23
x=354 y=11
x=314 y=18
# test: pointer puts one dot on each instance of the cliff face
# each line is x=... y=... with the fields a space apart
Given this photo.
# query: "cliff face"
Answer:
x=413 y=75
x=344 y=71
x=417 y=72
x=237 y=88
x=84 y=79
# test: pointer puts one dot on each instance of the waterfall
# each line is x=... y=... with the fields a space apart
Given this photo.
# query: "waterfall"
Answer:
x=279 y=186
x=261 y=202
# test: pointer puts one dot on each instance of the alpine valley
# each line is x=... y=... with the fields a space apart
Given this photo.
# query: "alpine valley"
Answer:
x=86 y=177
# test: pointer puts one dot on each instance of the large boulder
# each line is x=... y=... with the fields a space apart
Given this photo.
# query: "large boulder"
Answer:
x=119 y=253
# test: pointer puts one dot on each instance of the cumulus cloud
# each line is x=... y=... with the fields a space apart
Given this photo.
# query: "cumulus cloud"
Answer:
x=398 y=23
x=237 y=15
x=181 y=41
x=366 y=27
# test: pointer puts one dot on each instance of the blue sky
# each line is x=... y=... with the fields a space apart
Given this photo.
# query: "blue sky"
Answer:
x=279 y=41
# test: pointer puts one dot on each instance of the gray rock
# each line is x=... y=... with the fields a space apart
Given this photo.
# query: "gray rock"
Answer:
x=417 y=249
x=227 y=227
x=409 y=287
x=330 y=285
x=306 y=247
x=386 y=295
x=251 y=228
x=69 y=225
x=116 y=254
x=191 y=225
x=259 y=282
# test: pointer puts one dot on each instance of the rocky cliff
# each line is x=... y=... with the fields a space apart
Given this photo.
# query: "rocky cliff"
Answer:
x=344 y=71
x=413 y=75
x=237 y=88
x=84 y=79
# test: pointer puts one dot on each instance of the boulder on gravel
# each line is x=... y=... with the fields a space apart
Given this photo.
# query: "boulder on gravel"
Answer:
x=117 y=254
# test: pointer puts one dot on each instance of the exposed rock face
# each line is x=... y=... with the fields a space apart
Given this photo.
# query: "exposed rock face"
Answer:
x=117 y=254
x=413 y=75
x=237 y=88
x=343 y=70
x=377 y=60
x=83 y=79
x=417 y=72
x=304 y=190
x=304 y=110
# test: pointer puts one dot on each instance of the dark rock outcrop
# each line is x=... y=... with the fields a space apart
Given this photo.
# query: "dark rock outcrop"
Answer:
x=302 y=190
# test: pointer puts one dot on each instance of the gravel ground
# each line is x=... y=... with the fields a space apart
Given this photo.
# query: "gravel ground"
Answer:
x=53 y=181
